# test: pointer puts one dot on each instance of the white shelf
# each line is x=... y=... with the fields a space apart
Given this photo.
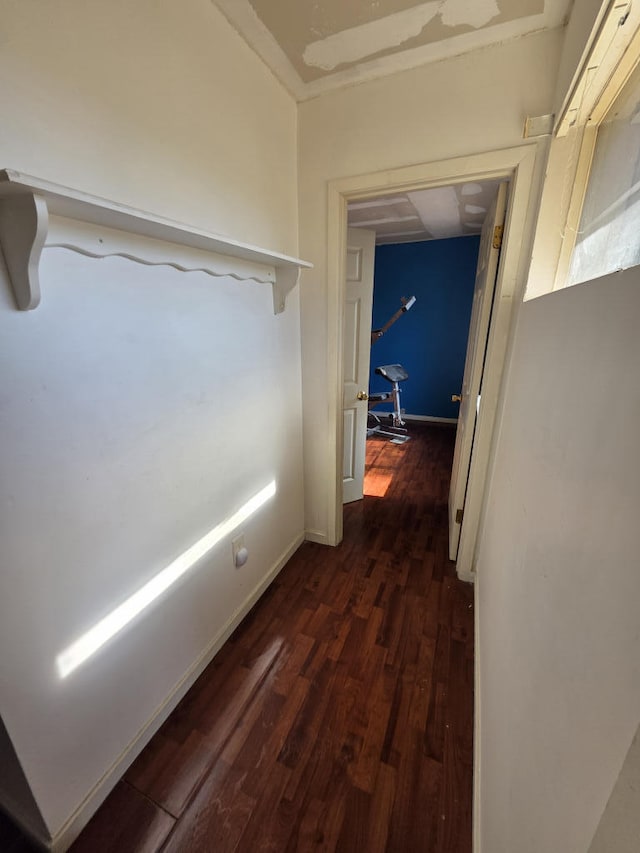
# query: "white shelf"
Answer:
x=101 y=228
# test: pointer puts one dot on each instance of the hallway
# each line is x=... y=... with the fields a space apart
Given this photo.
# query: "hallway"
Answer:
x=339 y=715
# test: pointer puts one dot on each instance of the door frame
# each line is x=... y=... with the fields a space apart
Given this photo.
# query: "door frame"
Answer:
x=522 y=166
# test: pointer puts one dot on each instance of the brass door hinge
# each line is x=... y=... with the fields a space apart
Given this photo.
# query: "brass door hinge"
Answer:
x=459 y=515
x=497 y=236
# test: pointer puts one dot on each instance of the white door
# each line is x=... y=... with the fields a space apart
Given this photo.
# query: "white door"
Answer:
x=476 y=347
x=361 y=247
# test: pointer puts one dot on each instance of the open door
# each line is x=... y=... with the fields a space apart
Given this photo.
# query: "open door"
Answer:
x=490 y=241
x=361 y=246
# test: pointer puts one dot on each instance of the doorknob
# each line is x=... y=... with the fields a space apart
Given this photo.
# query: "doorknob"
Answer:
x=456 y=398
x=362 y=395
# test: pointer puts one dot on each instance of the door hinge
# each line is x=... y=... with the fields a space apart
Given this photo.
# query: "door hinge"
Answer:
x=459 y=515
x=497 y=236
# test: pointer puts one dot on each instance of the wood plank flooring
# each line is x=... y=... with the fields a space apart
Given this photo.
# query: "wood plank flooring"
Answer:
x=338 y=717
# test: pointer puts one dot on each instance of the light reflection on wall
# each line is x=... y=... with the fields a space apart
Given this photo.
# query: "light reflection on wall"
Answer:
x=88 y=644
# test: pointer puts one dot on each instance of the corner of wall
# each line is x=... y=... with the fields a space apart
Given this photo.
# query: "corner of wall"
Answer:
x=15 y=793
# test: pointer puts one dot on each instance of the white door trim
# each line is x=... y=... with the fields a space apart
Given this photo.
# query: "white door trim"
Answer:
x=479 y=328
x=520 y=166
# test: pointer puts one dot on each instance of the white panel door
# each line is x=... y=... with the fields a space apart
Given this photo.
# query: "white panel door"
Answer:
x=486 y=272
x=361 y=247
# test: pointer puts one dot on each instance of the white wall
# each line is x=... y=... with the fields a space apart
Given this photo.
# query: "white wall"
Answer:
x=558 y=581
x=158 y=105
x=139 y=406
x=468 y=104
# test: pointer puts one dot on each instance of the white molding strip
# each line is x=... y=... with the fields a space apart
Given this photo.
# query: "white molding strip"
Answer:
x=101 y=228
x=477 y=721
x=611 y=58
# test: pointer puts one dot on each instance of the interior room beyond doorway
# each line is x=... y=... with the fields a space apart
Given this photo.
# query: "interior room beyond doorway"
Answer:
x=426 y=247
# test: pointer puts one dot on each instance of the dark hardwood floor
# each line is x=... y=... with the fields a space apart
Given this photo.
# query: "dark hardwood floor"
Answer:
x=338 y=717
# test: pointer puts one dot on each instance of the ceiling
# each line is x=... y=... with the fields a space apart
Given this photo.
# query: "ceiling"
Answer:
x=316 y=45
x=432 y=214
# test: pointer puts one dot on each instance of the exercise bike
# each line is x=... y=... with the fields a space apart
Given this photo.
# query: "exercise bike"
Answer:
x=394 y=374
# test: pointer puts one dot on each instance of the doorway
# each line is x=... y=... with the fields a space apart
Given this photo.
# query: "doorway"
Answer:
x=517 y=166
x=444 y=340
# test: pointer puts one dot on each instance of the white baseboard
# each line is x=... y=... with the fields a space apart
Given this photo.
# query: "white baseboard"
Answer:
x=431 y=419
x=467 y=577
x=76 y=823
x=477 y=722
x=316 y=536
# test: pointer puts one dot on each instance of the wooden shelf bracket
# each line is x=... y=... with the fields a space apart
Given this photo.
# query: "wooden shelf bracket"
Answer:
x=24 y=222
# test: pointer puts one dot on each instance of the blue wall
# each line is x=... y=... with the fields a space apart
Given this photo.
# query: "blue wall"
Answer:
x=430 y=340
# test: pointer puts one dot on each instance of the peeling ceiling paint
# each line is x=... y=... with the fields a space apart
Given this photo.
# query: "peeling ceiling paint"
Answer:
x=319 y=38
x=478 y=14
x=313 y=46
x=374 y=36
x=378 y=35
x=439 y=211
x=431 y=214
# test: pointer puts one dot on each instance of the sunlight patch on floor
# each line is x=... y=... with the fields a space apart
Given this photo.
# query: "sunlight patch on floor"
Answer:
x=376 y=483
